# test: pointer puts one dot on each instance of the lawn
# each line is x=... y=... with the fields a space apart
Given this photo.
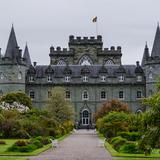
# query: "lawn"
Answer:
x=10 y=142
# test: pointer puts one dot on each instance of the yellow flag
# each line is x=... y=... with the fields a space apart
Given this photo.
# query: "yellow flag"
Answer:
x=94 y=19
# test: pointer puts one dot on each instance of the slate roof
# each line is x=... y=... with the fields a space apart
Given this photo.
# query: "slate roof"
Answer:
x=156 y=44
x=26 y=56
x=76 y=70
x=12 y=45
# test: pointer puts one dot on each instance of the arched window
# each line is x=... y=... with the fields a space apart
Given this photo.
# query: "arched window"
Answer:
x=61 y=63
x=85 y=95
x=108 y=62
x=139 y=111
x=32 y=95
x=85 y=60
x=19 y=75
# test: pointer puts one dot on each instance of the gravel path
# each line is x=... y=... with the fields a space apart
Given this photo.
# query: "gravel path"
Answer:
x=81 y=145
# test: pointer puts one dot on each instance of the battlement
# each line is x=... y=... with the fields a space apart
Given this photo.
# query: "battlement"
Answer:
x=85 y=40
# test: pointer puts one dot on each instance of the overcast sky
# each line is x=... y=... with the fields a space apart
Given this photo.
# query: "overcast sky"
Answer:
x=42 y=23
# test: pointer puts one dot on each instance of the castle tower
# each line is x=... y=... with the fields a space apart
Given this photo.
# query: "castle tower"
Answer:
x=151 y=64
x=13 y=66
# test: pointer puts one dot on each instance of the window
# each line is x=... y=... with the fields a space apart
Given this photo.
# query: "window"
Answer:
x=139 y=78
x=103 y=78
x=49 y=94
x=121 y=78
x=67 y=79
x=68 y=94
x=103 y=95
x=1 y=76
x=85 y=60
x=85 y=95
x=121 y=95
x=108 y=62
x=32 y=95
x=31 y=79
x=150 y=76
x=19 y=75
x=61 y=63
x=49 y=78
x=85 y=79
x=139 y=94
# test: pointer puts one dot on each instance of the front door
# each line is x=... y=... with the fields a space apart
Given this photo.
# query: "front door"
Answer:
x=85 y=118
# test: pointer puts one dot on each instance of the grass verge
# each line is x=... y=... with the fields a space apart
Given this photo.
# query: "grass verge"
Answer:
x=10 y=142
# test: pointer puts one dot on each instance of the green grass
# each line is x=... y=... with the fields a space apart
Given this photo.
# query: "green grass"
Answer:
x=10 y=142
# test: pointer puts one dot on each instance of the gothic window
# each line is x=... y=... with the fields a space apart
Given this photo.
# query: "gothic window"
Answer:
x=103 y=95
x=31 y=78
x=49 y=94
x=32 y=95
x=49 y=78
x=139 y=78
x=109 y=62
x=85 y=79
x=1 y=76
x=68 y=94
x=67 y=79
x=139 y=111
x=61 y=63
x=19 y=75
x=139 y=94
x=121 y=95
x=85 y=95
x=150 y=76
x=103 y=78
x=85 y=60
x=121 y=78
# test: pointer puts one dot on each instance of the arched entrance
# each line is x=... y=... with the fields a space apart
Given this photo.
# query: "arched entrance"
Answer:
x=85 y=117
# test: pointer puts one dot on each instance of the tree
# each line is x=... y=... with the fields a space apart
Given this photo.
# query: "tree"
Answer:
x=59 y=107
x=112 y=123
x=113 y=105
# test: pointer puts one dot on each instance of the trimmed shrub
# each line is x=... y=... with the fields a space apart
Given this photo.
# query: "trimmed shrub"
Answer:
x=37 y=143
x=45 y=141
x=21 y=143
x=28 y=148
x=2 y=142
x=130 y=136
x=130 y=148
x=117 y=142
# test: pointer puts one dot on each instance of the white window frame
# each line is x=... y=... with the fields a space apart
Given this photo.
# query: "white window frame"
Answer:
x=140 y=94
x=31 y=78
x=85 y=78
x=139 y=78
x=121 y=98
x=85 y=95
x=67 y=79
x=121 y=78
x=103 y=78
x=68 y=94
x=101 y=96
x=32 y=95
x=49 y=78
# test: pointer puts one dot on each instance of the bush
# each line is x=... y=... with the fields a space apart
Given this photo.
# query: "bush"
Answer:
x=28 y=148
x=21 y=143
x=2 y=142
x=130 y=136
x=117 y=142
x=22 y=134
x=130 y=148
x=45 y=141
x=37 y=143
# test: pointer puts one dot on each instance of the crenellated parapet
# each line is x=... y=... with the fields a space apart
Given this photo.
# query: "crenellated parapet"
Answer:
x=85 y=40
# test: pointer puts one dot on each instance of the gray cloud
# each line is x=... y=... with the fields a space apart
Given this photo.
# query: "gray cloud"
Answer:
x=42 y=23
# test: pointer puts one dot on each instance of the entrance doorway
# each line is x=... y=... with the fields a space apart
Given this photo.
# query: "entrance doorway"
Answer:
x=85 y=118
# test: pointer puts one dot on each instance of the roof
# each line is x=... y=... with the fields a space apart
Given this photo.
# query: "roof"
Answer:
x=26 y=56
x=76 y=70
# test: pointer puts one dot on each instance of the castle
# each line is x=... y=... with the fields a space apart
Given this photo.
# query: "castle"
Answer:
x=89 y=73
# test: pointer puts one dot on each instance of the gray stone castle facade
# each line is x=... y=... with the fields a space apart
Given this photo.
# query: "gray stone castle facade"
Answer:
x=89 y=73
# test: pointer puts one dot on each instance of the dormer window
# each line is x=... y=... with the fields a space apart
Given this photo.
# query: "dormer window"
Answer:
x=85 y=79
x=139 y=78
x=31 y=79
x=49 y=78
x=121 y=78
x=103 y=78
x=67 y=79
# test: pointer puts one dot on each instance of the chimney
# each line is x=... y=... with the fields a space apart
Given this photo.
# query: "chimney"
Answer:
x=34 y=64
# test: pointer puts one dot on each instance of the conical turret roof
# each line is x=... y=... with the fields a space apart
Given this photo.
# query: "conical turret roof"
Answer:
x=26 y=56
x=156 y=44
x=145 y=55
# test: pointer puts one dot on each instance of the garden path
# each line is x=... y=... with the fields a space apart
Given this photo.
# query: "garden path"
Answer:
x=81 y=145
